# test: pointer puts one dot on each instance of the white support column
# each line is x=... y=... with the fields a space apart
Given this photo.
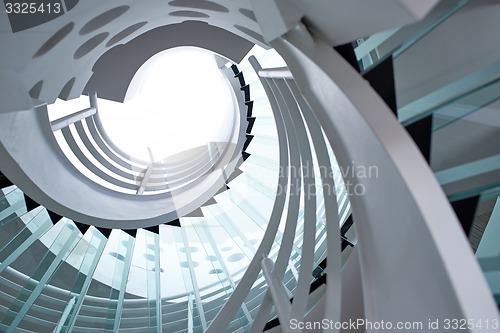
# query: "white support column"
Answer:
x=72 y=118
x=144 y=181
x=77 y=116
x=93 y=100
x=65 y=314
x=123 y=283
x=206 y=237
x=88 y=270
x=190 y=313
x=196 y=290
x=334 y=269
x=280 y=298
x=295 y=189
x=301 y=295
x=238 y=296
x=159 y=314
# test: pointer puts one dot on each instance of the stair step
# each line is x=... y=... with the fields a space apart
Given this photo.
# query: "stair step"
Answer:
x=251 y=122
x=268 y=166
x=246 y=91
x=264 y=128
x=195 y=213
x=209 y=202
x=233 y=176
x=235 y=69
x=222 y=189
x=241 y=78
x=174 y=223
x=249 y=105
x=247 y=141
x=264 y=161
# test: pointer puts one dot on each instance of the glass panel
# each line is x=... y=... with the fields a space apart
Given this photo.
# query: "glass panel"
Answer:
x=151 y=242
x=11 y=204
x=109 y=282
x=460 y=97
x=472 y=102
x=264 y=146
x=220 y=270
x=462 y=153
x=175 y=307
x=92 y=245
x=397 y=41
x=246 y=193
x=186 y=263
x=18 y=236
x=50 y=261
x=67 y=286
x=244 y=252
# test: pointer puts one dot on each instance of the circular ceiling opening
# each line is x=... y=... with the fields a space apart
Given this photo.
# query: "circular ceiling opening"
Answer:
x=179 y=100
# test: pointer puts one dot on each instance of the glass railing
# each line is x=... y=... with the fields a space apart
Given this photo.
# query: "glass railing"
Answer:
x=372 y=50
x=463 y=154
x=456 y=100
x=11 y=204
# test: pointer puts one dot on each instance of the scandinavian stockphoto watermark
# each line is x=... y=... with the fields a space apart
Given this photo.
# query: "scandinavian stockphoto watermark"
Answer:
x=355 y=324
x=348 y=180
x=382 y=325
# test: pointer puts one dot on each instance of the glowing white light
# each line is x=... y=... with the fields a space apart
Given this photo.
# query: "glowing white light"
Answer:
x=183 y=101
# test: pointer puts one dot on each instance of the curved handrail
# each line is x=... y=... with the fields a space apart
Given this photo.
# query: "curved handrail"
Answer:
x=237 y=297
x=346 y=104
x=293 y=208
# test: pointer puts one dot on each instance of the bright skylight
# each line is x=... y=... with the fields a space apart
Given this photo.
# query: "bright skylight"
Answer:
x=178 y=100
x=183 y=101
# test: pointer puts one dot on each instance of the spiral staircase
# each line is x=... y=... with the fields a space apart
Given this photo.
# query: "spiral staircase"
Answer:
x=358 y=179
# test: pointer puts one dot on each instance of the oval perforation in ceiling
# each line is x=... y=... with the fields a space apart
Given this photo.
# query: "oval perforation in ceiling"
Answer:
x=191 y=249
x=185 y=264
x=215 y=271
x=248 y=13
x=235 y=257
x=36 y=89
x=125 y=33
x=102 y=19
x=66 y=90
x=117 y=256
x=199 y=4
x=188 y=13
x=54 y=39
x=89 y=45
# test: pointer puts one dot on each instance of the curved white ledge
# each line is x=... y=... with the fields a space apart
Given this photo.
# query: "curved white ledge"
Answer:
x=41 y=169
